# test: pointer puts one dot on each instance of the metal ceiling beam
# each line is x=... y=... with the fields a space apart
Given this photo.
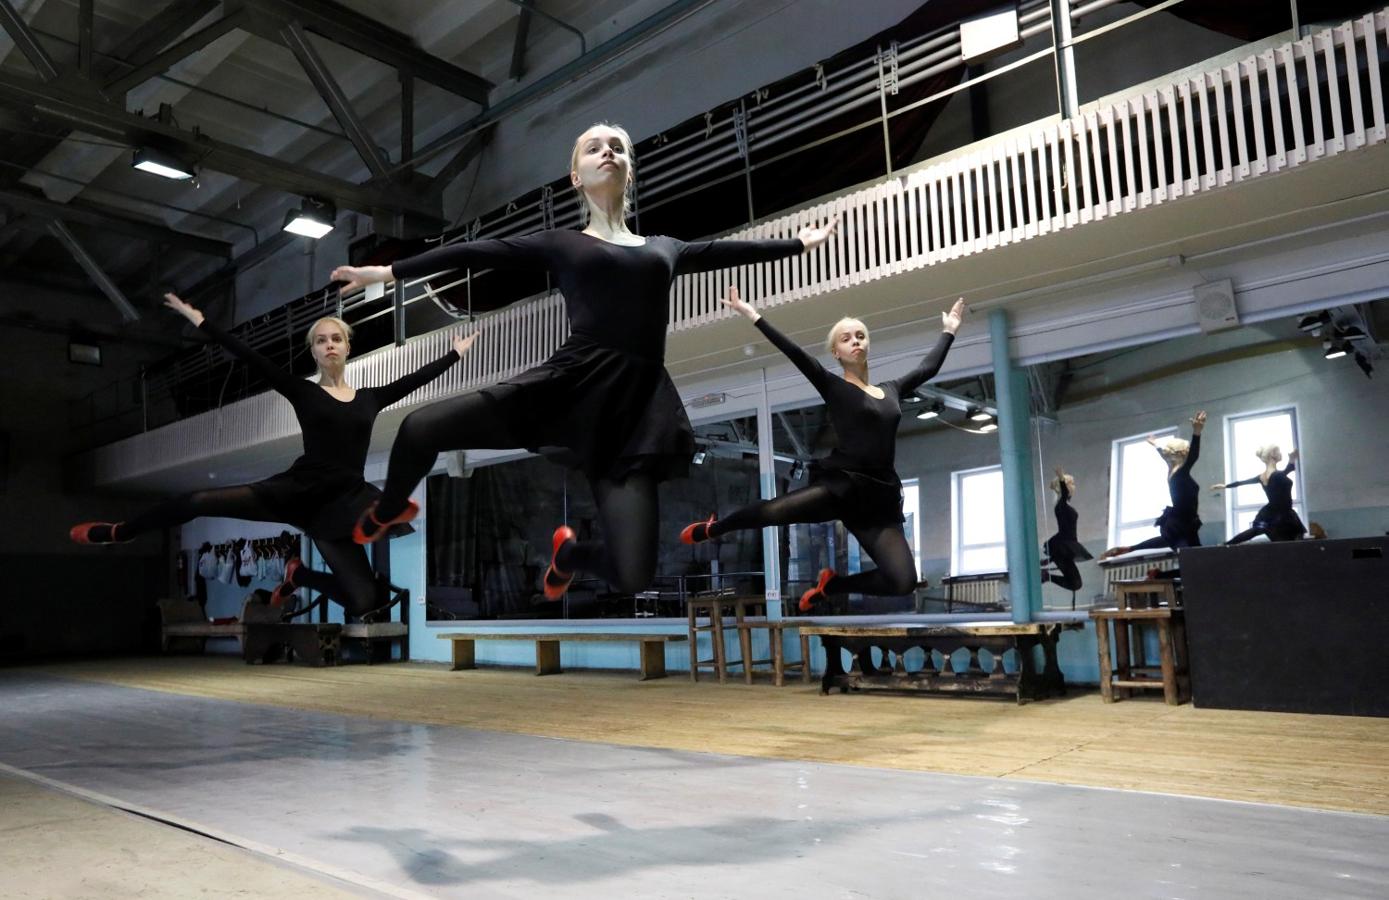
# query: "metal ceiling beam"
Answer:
x=227 y=274
x=55 y=103
x=454 y=167
x=162 y=62
x=343 y=26
x=518 y=49
x=294 y=37
x=145 y=42
x=94 y=271
x=99 y=217
x=530 y=7
x=86 y=12
x=26 y=41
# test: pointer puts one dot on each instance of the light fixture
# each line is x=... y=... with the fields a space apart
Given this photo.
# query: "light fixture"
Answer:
x=1352 y=333
x=1335 y=349
x=931 y=411
x=698 y=458
x=1315 y=322
x=977 y=414
x=157 y=162
x=314 y=219
x=911 y=398
x=988 y=427
x=86 y=354
x=797 y=470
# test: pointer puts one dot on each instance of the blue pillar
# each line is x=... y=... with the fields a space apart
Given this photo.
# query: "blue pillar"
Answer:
x=1015 y=450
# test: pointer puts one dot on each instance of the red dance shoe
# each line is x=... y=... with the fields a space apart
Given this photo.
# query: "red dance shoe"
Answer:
x=697 y=532
x=95 y=533
x=286 y=588
x=369 y=529
x=816 y=594
x=557 y=582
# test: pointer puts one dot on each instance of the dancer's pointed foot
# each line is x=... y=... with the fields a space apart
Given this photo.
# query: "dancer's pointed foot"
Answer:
x=96 y=533
x=369 y=528
x=816 y=594
x=557 y=582
x=1115 y=551
x=286 y=587
x=697 y=532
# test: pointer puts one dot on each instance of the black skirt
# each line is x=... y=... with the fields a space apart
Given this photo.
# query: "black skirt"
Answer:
x=1064 y=548
x=322 y=502
x=866 y=499
x=1280 y=524
x=1177 y=530
x=604 y=412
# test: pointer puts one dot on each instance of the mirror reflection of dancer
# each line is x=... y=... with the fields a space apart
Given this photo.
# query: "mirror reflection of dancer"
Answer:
x=857 y=483
x=1064 y=548
x=603 y=402
x=323 y=492
x=1276 y=518
x=1179 y=525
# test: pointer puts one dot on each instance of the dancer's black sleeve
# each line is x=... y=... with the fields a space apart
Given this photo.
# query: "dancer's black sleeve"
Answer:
x=928 y=367
x=390 y=393
x=282 y=381
x=1290 y=467
x=1065 y=494
x=1235 y=484
x=493 y=253
x=1192 y=454
x=809 y=366
x=705 y=256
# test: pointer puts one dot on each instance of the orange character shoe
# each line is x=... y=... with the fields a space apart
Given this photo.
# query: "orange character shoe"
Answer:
x=697 y=532
x=816 y=594
x=286 y=588
x=557 y=582
x=96 y=533
x=369 y=529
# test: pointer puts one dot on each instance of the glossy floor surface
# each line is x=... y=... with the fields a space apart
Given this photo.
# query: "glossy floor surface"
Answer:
x=422 y=810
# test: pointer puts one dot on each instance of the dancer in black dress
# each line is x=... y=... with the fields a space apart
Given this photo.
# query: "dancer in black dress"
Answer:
x=603 y=402
x=1064 y=548
x=1179 y=525
x=857 y=483
x=323 y=492
x=1277 y=519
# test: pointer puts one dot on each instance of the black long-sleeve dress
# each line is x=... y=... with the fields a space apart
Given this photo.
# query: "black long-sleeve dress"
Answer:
x=1180 y=525
x=603 y=402
x=323 y=491
x=861 y=472
x=1064 y=548
x=1277 y=518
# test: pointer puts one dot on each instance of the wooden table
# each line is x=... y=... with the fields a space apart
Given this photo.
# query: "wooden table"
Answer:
x=653 y=648
x=1126 y=668
x=996 y=637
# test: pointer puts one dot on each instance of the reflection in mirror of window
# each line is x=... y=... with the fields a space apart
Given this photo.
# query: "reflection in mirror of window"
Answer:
x=976 y=540
x=1138 y=491
x=911 y=515
x=1245 y=433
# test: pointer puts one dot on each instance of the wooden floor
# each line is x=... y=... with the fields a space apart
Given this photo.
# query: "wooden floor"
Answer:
x=1327 y=762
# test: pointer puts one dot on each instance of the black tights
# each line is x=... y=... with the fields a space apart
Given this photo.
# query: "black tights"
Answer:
x=627 y=509
x=1070 y=573
x=885 y=544
x=351 y=583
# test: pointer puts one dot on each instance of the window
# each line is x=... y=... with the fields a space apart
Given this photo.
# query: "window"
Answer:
x=1244 y=434
x=1138 y=491
x=911 y=513
x=976 y=503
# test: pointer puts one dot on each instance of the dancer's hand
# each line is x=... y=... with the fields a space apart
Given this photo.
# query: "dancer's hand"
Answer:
x=360 y=276
x=739 y=305
x=1198 y=422
x=813 y=237
x=462 y=345
x=190 y=313
x=1292 y=456
x=950 y=321
x=1217 y=487
x=1152 y=441
x=1060 y=472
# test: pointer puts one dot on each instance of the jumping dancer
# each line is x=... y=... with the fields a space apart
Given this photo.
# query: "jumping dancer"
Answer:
x=856 y=483
x=603 y=402
x=1064 y=548
x=1179 y=523
x=323 y=492
x=1276 y=518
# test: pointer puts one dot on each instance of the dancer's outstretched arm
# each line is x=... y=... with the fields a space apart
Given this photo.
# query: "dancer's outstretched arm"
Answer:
x=493 y=253
x=705 y=256
x=1198 y=422
x=283 y=382
x=930 y=364
x=810 y=367
x=390 y=393
x=1235 y=484
x=1292 y=463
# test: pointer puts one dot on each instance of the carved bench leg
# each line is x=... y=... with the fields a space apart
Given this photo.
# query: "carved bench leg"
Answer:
x=805 y=658
x=463 y=655
x=1169 y=668
x=653 y=660
x=547 y=658
x=1106 y=665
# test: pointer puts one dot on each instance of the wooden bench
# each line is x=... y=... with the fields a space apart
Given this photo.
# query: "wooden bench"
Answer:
x=185 y=620
x=653 y=652
x=895 y=640
x=1126 y=669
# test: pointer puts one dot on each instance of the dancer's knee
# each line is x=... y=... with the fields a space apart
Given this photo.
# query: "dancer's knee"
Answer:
x=900 y=581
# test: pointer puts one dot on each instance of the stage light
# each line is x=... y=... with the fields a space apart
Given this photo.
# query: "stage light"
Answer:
x=978 y=415
x=157 y=162
x=698 y=458
x=931 y=412
x=1315 y=322
x=1335 y=349
x=314 y=219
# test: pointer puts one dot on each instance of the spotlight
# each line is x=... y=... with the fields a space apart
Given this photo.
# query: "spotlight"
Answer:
x=931 y=412
x=698 y=458
x=797 y=470
x=1335 y=349
x=1315 y=322
x=84 y=353
x=1352 y=333
x=314 y=219
x=976 y=414
x=988 y=428
x=157 y=162
x=911 y=398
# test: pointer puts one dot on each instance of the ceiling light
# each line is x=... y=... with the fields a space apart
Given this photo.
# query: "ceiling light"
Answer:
x=988 y=427
x=976 y=414
x=1352 y=333
x=157 y=162
x=1335 y=349
x=932 y=411
x=1314 y=322
x=84 y=353
x=314 y=219
x=698 y=458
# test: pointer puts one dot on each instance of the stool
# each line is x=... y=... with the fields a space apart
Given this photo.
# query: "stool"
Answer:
x=1126 y=669
x=775 y=631
x=1155 y=592
x=715 y=607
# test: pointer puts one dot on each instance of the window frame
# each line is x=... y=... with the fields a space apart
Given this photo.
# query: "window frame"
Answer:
x=1116 y=480
x=957 y=546
x=1299 y=482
